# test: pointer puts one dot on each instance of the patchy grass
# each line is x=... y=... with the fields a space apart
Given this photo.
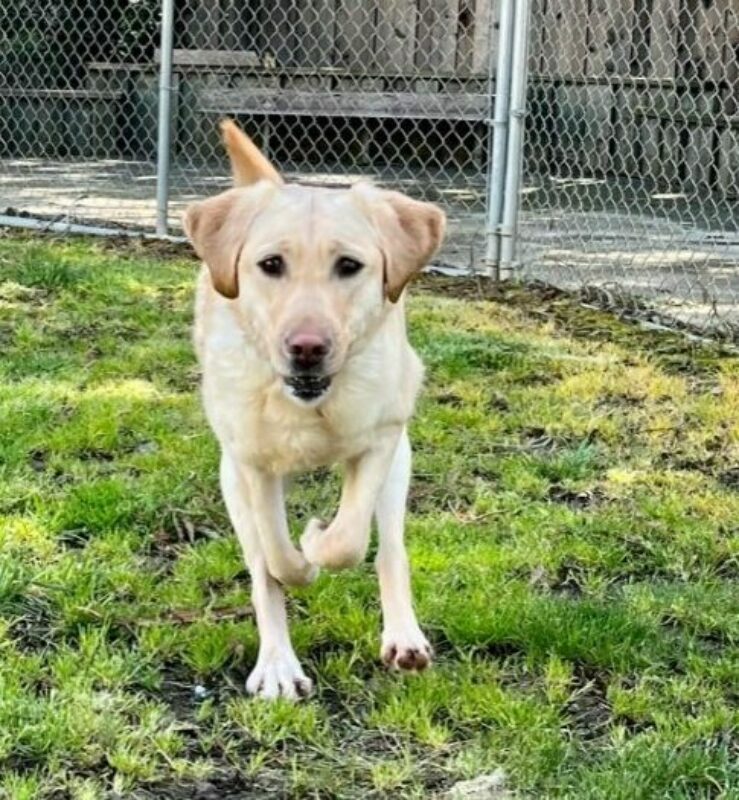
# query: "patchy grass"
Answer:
x=573 y=533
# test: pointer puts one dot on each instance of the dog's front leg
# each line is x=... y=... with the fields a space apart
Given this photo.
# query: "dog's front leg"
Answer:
x=277 y=672
x=403 y=644
x=343 y=543
x=267 y=501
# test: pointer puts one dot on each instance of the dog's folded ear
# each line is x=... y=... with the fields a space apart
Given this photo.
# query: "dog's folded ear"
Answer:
x=414 y=236
x=248 y=163
x=218 y=228
x=410 y=232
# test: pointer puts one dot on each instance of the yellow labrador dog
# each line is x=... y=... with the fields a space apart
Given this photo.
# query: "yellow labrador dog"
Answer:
x=300 y=333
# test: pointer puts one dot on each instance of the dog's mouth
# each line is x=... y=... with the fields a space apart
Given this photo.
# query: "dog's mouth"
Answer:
x=308 y=387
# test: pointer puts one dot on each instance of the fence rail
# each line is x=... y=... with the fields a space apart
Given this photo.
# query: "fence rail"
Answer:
x=628 y=123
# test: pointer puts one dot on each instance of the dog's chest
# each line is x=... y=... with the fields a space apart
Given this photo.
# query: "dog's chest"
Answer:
x=267 y=429
x=287 y=441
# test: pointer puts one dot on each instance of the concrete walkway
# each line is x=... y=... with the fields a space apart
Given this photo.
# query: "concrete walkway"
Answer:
x=681 y=258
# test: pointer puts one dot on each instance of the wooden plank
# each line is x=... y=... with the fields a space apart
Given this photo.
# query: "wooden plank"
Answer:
x=564 y=41
x=203 y=23
x=667 y=166
x=713 y=37
x=703 y=37
x=436 y=35
x=536 y=32
x=485 y=36
x=609 y=37
x=664 y=38
x=211 y=58
x=731 y=62
x=88 y=95
x=699 y=159
x=399 y=105
x=360 y=83
x=256 y=80
x=395 y=35
x=698 y=105
x=465 y=37
x=354 y=35
x=654 y=166
x=640 y=38
x=625 y=158
x=141 y=112
x=654 y=138
x=234 y=26
x=540 y=141
x=278 y=42
x=313 y=83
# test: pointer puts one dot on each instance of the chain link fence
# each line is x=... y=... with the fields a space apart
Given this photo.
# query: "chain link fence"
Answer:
x=398 y=91
x=630 y=154
x=78 y=116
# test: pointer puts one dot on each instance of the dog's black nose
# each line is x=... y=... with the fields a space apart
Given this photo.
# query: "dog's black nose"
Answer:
x=307 y=350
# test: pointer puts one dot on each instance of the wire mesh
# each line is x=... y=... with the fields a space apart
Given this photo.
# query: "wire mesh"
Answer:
x=397 y=91
x=632 y=156
x=631 y=153
x=77 y=110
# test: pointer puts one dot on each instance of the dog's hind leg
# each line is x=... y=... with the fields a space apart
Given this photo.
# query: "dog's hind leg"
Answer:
x=344 y=542
x=403 y=644
x=277 y=672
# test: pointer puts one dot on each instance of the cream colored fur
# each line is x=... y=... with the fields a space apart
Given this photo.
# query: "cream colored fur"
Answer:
x=265 y=432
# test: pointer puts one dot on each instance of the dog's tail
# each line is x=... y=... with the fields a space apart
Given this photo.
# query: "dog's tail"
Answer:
x=248 y=164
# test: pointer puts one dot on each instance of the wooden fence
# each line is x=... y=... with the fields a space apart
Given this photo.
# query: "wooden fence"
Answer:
x=623 y=88
x=389 y=36
x=638 y=88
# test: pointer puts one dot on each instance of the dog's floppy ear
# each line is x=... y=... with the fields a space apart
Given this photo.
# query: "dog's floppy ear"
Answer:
x=416 y=231
x=217 y=229
x=248 y=164
x=410 y=232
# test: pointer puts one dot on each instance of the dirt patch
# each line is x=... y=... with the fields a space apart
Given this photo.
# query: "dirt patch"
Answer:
x=587 y=498
x=588 y=712
x=227 y=784
x=581 y=315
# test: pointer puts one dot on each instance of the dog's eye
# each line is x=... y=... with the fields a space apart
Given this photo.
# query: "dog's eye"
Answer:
x=274 y=266
x=346 y=267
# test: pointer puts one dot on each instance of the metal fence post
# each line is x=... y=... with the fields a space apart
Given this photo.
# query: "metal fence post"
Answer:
x=514 y=148
x=165 y=116
x=498 y=138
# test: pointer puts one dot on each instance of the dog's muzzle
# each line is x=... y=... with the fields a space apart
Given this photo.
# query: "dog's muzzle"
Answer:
x=307 y=350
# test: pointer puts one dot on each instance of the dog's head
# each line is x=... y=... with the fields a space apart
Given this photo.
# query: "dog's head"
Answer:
x=313 y=270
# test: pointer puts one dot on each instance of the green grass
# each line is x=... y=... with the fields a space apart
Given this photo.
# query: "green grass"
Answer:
x=573 y=534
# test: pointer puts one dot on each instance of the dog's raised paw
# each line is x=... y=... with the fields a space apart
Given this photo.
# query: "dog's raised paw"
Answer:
x=294 y=572
x=409 y=652
x=329 y=547
x=278 y=675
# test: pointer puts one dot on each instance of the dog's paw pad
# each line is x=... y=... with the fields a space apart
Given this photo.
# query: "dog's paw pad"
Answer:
x=407 y=653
